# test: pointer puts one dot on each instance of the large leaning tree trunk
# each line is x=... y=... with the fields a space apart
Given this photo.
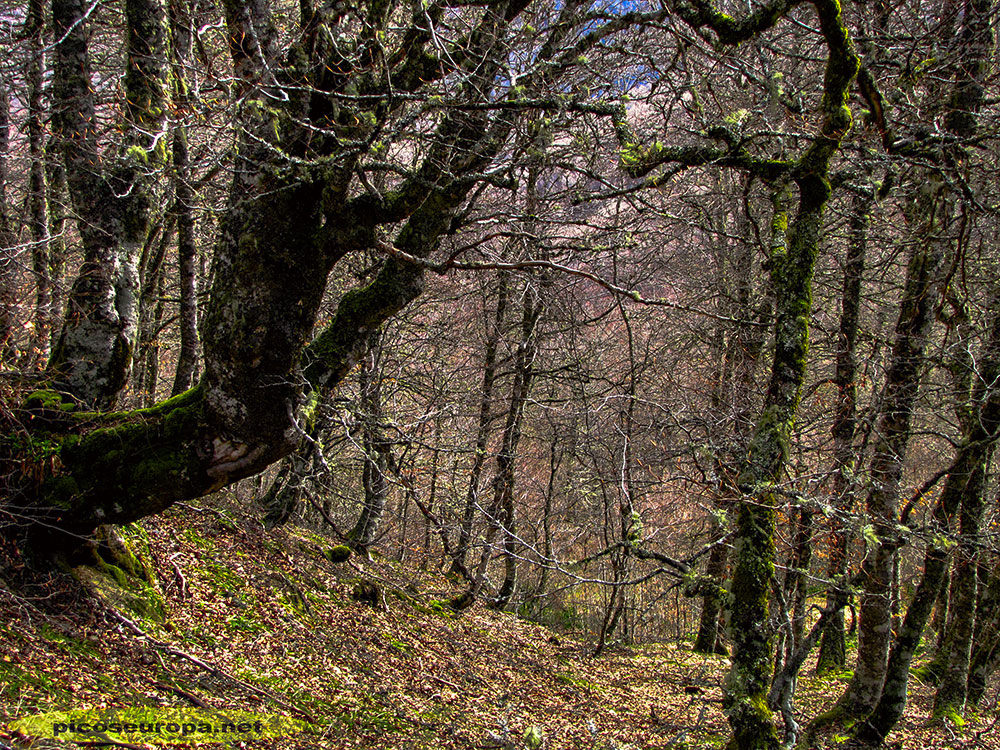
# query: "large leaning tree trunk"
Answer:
x=310 y=119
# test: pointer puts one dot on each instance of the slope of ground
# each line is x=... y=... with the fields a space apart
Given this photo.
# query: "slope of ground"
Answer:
x=237 y=618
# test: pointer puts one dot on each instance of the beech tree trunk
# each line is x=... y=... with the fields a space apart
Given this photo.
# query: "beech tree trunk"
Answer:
x=493 y=335
x=747 y=685
x=38 y=214
x=893 y=434
x=833 y=649
x=933 y=209
x=503 y=482
x=374 y=480
x=93 y=355
x=8 y=239
x=279 y=237
x=986 y=647
x=965 y=483
x=187 y=250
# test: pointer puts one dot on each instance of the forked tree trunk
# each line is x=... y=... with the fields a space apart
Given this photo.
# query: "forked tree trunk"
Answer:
x=967 y=475
x=93 y=355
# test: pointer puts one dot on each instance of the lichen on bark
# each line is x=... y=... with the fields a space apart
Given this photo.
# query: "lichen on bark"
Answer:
x=792 y=265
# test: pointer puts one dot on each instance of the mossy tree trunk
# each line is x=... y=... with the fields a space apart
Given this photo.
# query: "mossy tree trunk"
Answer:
x=986 y=643
x=111 y=195
x=920 y=294
x=967 y=474
x=792 y=264
x=975 y=46
x=952 y=689
x=931 y=212
x=293 y=212
x=966 y=483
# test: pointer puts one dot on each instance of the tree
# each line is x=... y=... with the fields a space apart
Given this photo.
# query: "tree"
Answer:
x=571 y=167
x=310 y=125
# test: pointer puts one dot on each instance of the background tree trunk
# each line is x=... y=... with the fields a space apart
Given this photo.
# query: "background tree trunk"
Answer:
x=833 y=650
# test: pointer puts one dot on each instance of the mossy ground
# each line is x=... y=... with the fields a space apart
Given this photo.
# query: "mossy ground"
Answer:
x=272 y=611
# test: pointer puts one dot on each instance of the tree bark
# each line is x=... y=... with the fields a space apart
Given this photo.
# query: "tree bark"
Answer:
x=503 y=481
x=833 y=649
x=733 y=388
x=8 y=240
x=986 y=649
x=375 y=447
x=746 y=687
x=55 y=180
x=707 y=640
x=967 y=475
x=902 y=383
x=38 y=215
x=967 y=478
x=187 y=249
x=483 y=430
x=93 y=355
x=280 y=235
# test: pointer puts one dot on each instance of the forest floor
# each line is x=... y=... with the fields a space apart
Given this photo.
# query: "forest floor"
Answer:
x=238 y=618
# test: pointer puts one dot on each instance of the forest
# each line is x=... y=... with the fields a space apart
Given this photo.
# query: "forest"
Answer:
x=647 y=321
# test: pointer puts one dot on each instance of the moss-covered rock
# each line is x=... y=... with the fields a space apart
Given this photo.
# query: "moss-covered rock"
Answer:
x=340 y=553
